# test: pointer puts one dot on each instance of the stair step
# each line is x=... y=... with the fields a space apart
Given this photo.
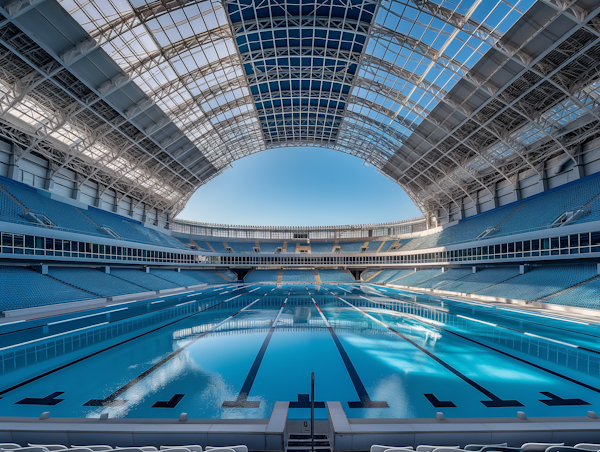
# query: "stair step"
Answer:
x=304 y=442
x=305 y=436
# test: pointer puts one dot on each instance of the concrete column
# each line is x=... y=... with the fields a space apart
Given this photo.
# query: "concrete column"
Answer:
x=598 y=269
x=579 y=170
x=179 y=270
x=106 y=270
x=474 y=269
x=443 y=269
x=14 y=172
x=523 y=269
x=43 y=269
x=543 y=182
x=147 y=269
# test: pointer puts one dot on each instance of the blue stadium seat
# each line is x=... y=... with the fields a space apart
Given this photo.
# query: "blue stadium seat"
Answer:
x=262 y=276
x=95 y=281
x=23 y=287
x=486 y=277
x=298 y=276
x=335 y=275
x=321 y=247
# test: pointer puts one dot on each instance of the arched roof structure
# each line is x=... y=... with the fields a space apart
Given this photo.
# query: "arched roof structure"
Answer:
x=153 y=98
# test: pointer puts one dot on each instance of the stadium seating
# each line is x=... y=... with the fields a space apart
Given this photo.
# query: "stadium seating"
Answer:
x=269 y=247
x=181 y=279
x=335 y=275
x=95 y=281
x=418 y=276
x=139 y=277
x=9 y=210
x=307 y=276
x=450 y=275
x=219 y=247
x=242 y=247
x=62 y=215
x=584 y=296
x=384 y=276
x=484 y=278
x=262 y=276
x=321 y=247
x=122 y=227
x=540 y=282
x=231 y=276
x=368 y=273
x=23 y=287
x=291 y=247
x=399 y=275
x=351 y=247
x=375 y=244
x=205 y=276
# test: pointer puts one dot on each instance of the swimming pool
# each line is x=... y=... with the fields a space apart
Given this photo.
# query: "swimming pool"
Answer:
x=233 y=351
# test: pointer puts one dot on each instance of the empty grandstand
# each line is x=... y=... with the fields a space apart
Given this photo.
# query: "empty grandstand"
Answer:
x=474 y=325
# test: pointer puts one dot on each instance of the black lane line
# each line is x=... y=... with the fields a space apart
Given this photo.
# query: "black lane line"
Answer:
x=171 y=403
x=439 y=403
x=537 y=366
x=494 y=401
x=23 y=383
x=242 y=398
x=49 y=400
x=363 y=395
x=112 y=400
x=559 y=401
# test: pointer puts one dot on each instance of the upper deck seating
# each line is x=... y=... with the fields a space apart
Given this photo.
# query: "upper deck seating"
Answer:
x=242 y=247
x=269 y=247
x=321 y=247
x=351 y=247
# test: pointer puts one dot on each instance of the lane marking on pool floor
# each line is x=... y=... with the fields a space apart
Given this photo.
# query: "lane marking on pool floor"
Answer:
x=359 y=387
x=242 y=399
x=56 y=369
x=494 y=401
x=112 y=400
x=537 y=366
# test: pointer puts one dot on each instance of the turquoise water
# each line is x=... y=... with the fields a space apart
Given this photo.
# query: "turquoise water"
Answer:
x=233 y=351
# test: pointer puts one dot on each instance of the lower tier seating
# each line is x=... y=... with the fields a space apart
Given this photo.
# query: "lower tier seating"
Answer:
x=95 y=281
x=416 y=277
x=146 y=280
x=333 y=275
x=262 y=276
x=178 y=278
x=23 y=287
x=487 y=277
x=205 y=276
x=447 y=277
x=307 y=276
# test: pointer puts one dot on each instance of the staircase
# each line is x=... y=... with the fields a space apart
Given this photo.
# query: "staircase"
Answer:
x=301 y=442
x=380 y=246
x=317 y=277
x=280 y=275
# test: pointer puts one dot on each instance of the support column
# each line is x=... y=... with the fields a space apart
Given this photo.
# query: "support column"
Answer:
x=106 y=270
x=14 y=172
x=543 y=182
x=474 y=269
x=523 y=269
x=579 y=170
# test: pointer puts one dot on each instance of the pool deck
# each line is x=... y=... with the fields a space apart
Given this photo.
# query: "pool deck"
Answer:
x=271 y=434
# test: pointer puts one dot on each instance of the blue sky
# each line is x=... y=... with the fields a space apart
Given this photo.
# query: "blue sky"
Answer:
x=299 y=187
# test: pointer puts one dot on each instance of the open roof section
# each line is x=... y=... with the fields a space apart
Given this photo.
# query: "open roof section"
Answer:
x=155 y=98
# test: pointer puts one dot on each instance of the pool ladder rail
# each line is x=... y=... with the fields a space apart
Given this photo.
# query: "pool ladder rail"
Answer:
x=300 y=442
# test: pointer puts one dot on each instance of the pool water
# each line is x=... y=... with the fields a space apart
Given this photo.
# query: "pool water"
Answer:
x=233 y=351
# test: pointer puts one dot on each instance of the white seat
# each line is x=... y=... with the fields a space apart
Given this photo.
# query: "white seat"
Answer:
x=583 y=446
x=240 y=448
x=7 y=446
x=476 y=447
x=538 y=447
x=31 y=449
x=131 y=449
x=424 y=448
x=379 y=448
x=97 y=447
x=190 y=447
x=50 y=446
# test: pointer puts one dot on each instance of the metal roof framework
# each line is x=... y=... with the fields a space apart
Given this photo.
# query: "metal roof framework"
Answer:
x=152 y=99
